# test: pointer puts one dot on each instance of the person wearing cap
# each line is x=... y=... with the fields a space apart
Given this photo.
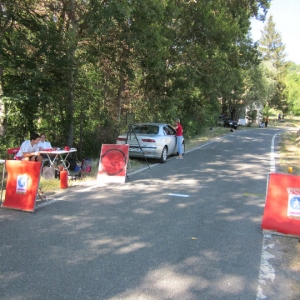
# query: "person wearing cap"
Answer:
x=29 y=149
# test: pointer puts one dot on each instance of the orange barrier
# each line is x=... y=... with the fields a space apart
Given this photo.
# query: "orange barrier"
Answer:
x=23 y=179
x=113 y=163
x=282 y=207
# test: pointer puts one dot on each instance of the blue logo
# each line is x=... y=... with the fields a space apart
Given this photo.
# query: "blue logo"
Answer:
x=22 y=182
x=295 y=203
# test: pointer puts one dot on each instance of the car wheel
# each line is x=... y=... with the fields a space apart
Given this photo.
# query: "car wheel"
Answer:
x=164 y=155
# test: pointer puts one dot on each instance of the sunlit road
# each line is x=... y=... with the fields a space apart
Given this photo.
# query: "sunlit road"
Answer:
x=187 y=229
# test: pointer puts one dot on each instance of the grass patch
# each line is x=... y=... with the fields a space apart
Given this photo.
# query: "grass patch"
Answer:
x=290 y=152
x=290 y=146
x=206 y=135
x=52 y=185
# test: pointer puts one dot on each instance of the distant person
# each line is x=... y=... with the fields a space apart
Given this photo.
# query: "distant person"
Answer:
x=29 y=149
x=179 y=138
x=262 y=124
x=43 y=144
x=266 y=121
x=279 y=117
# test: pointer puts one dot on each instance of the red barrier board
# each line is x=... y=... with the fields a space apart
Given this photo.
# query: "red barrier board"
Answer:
x=282 y=207
x=113 y=163
x=23 y=179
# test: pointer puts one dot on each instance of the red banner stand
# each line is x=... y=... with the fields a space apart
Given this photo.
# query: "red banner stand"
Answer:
x=23 y=179
x=277 y=216
x=113 y=163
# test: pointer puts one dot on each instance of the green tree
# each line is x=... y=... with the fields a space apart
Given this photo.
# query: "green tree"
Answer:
x=293 y=86
x=74 y=68
x=21 y=75
x=272 y=50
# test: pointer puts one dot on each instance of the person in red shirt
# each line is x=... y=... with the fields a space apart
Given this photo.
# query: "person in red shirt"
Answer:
x=266 y=121
x=179 y=137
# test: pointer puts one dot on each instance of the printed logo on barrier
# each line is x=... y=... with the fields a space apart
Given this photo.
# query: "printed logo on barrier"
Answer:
x=113 y=161
x=293 y=202
x=22 y=184
x=294 y=207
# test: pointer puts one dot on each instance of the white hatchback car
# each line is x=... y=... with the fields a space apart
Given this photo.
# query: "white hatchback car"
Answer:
x=152 y=140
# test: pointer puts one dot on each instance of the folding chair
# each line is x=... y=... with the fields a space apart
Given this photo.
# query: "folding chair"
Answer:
x=11 y=152
x=86 y=165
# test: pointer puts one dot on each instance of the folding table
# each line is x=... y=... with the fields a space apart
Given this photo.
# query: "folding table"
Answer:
x=60 y=155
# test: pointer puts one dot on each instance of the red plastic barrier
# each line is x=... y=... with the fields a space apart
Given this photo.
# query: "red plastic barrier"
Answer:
x=282 y=209
x=63 y=175
x=23 y=179
x=113 y=163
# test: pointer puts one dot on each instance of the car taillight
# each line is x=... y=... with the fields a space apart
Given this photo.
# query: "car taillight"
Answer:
x=148 y=140
x=121 y=139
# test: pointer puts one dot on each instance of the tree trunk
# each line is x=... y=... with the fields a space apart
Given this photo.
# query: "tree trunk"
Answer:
x=119 y=98
x=2 y=107
x=81 y=132
x=71 y=75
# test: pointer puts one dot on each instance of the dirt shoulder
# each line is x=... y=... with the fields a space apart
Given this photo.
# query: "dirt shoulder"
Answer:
x=287 y=249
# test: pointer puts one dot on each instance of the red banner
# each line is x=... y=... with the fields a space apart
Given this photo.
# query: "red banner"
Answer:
x=282 y=208
x=23 y=179
x=113 y=163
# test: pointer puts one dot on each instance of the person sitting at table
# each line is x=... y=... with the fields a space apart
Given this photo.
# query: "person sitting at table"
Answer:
x=43 y=144
x=29 y=149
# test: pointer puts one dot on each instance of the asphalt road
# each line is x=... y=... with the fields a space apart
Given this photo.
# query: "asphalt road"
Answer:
x=187 y=229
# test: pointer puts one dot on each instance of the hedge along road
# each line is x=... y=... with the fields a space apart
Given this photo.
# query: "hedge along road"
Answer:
x=187 y=229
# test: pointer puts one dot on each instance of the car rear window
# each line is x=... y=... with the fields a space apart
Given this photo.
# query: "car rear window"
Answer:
x=146 y=129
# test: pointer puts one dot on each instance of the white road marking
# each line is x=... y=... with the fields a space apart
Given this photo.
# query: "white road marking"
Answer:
x=266 y=272
x=46 y=203
x=213 y=141
x=179 y=195
x=273 y=156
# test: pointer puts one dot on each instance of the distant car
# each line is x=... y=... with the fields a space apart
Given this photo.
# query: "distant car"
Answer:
x=152 y=140
x=227 y=122
x=230 y=123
